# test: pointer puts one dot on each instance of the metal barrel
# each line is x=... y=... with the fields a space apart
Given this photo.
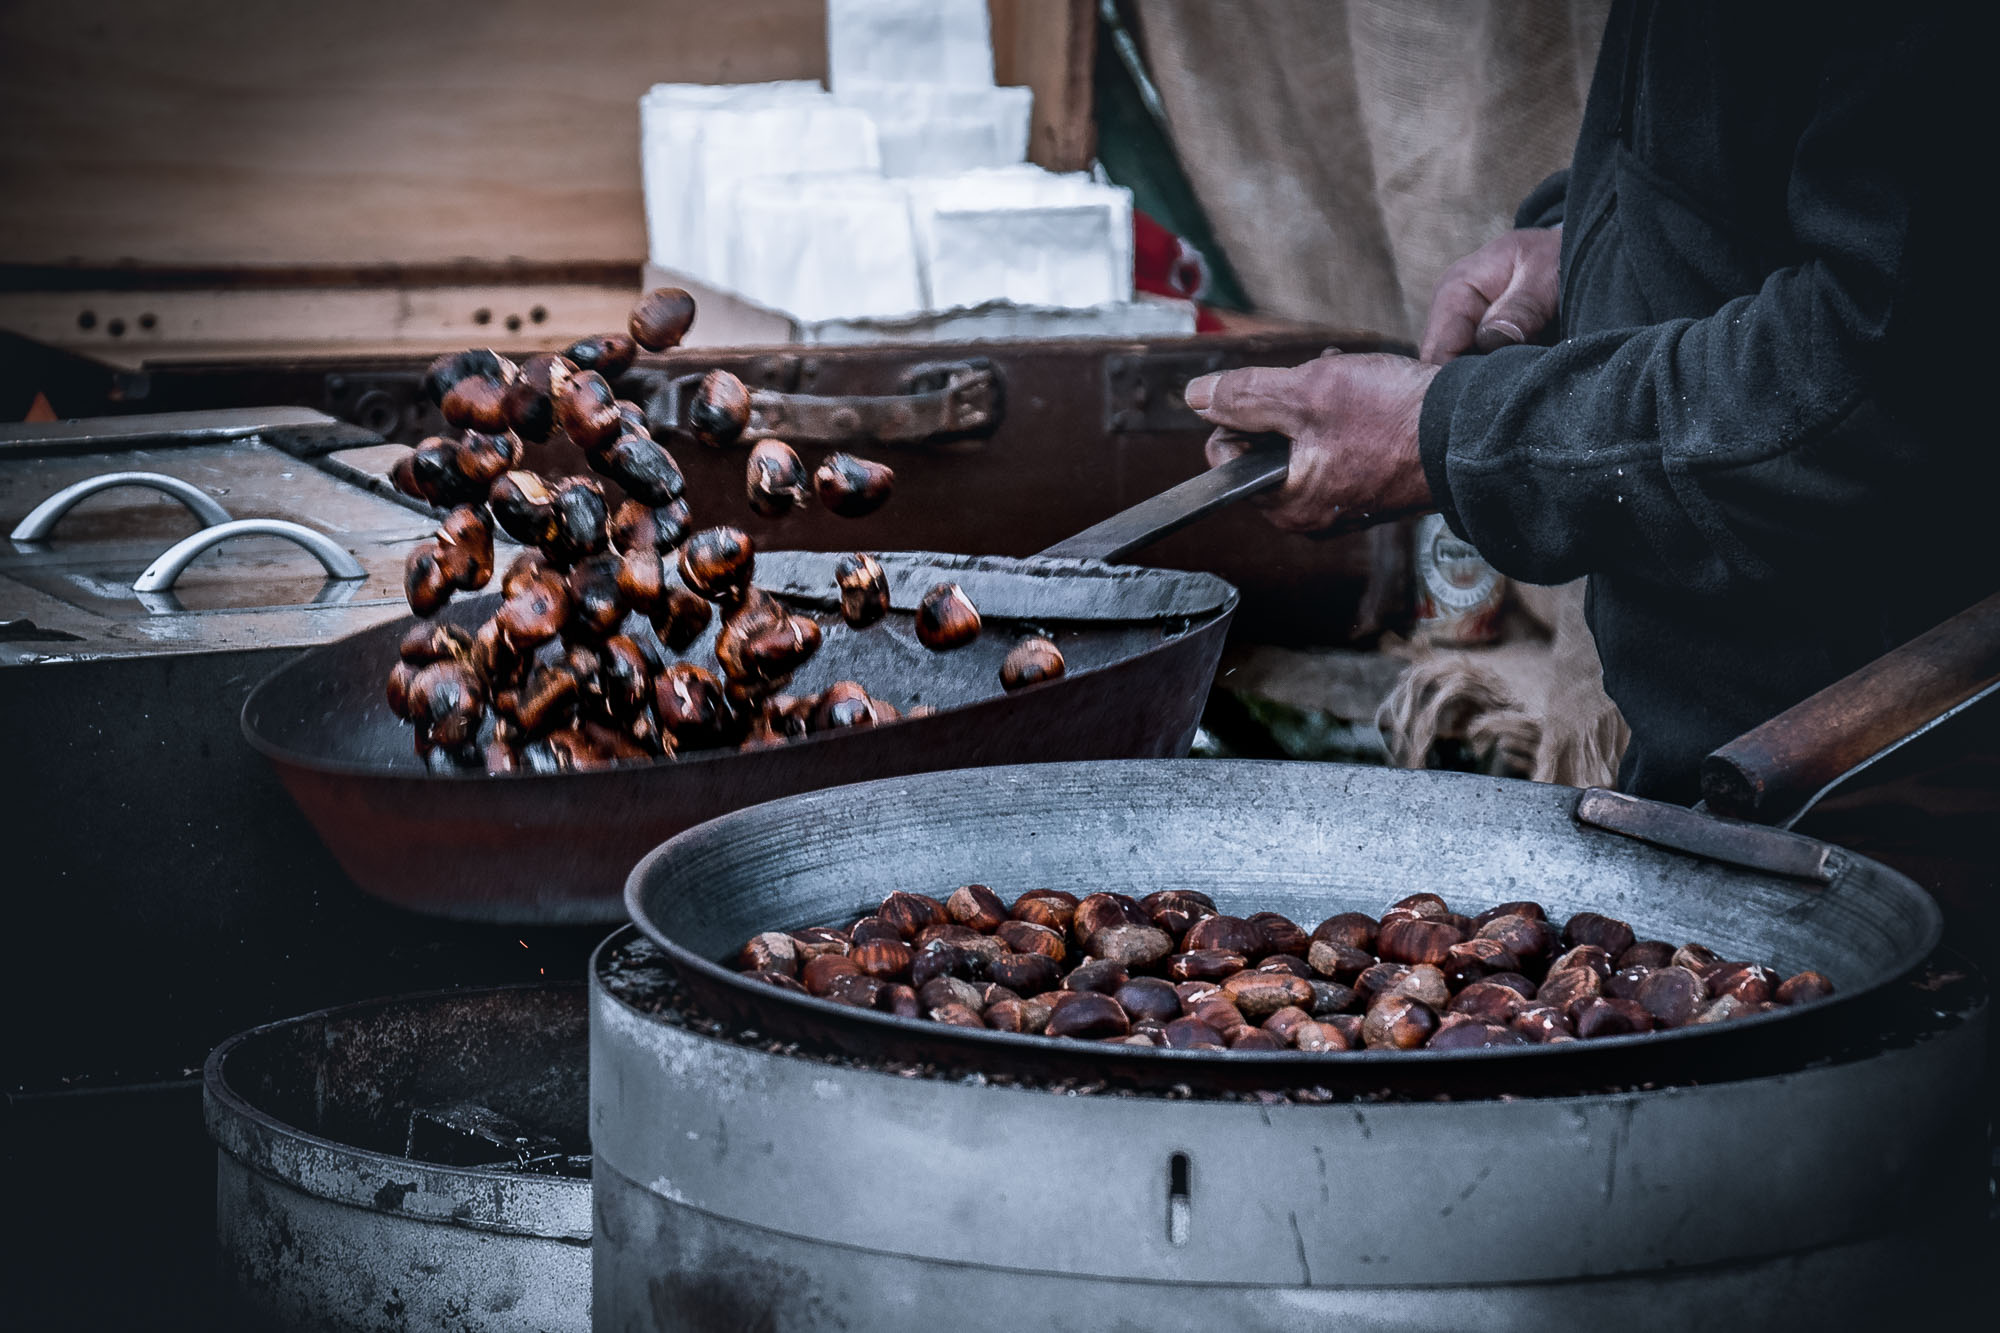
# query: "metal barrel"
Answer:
x=737 y=1188
x=323 y=1224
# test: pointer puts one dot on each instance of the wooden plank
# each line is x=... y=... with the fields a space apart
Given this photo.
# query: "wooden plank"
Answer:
x=1049 y=45
x=233 y=132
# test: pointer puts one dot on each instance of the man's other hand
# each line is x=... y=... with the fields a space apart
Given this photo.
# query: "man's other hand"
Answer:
x=1503 y=293
x=1352 y=420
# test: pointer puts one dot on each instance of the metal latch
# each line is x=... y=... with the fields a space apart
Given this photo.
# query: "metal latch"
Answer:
x=1142 y=390
x=940 y=401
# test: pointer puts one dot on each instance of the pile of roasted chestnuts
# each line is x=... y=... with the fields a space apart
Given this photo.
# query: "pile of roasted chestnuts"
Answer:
x=1171 y=970
x=574 y=670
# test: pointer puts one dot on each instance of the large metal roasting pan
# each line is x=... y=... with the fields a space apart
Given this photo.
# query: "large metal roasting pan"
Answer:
x=1307 y=840
x=1141 y=646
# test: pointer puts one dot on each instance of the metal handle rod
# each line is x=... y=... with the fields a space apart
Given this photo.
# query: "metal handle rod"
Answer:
x=1261 y=467
x=161 y=574
x=42 y=520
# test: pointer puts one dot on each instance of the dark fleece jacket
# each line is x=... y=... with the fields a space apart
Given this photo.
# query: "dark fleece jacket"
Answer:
x=1757 y=434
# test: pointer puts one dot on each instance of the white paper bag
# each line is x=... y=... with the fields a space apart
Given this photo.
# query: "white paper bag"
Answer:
x=781 y=139
x=928 y=129
x=908 y=41
x=670 y=117
x=1024 y=235
x=823 y=246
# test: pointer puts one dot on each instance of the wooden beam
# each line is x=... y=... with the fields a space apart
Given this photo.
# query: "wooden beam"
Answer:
x=1050 y=45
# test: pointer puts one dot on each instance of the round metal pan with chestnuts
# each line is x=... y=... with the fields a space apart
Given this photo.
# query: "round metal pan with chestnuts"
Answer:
x=1171 y=971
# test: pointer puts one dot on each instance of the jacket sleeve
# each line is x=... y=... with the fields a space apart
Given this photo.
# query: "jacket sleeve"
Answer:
x=1762 y=441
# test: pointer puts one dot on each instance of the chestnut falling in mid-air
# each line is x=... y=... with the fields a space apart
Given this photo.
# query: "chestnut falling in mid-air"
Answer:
x=775 y=479
x=1030 y=662
x=946 y=619
x=864 y=589
x=853 y=487
x=718 y=563
x=661 y=318
x=719 y=412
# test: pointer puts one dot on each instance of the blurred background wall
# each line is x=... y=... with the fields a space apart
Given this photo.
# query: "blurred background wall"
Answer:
x=1347 y=151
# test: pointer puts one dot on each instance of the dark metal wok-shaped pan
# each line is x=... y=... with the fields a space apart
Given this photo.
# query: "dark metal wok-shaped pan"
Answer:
x=1141 y=645
x=1307 y=840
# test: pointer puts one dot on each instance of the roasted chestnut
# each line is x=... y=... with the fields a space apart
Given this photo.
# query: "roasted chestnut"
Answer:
x=864 y=589
x=581 y=522
x=427 y=579
x=1600 y=1017
x=586 y=408
x=976 y=907
x=1486 y=1000
x=909 y=913
x=596 y=606
x=1046 y=907
x=545 y=703
x=772 y=951
x=1281 y=934
x=525 y=508
x=625 y=678
x=447 y=704
x=1647 y=953
x=719 y=410
x=1258 y=995
x=535 y=609
x=689 y=702
x=1607 y=933
x=398 y=690
x=1398 y=1023
x=1097 y=974
x=1089 y=1015
x=609 y=354
x=1338 y=961
x=1672 y=995
x=1526 y=938
x=1231 y=934
x=465 y=545
x=1030 y=662
x=853 y=487
x=1352 y=930
x=1803 y=988
x=775 y=479
x=1027 y=973
x=679 y=618
x=646 y=471
x=482 y=457
x=661 y=318
x=1566 y=987
x=433 y=473
x=946 y=619
x=425 y=642
x=718 y=563
x=642 y=580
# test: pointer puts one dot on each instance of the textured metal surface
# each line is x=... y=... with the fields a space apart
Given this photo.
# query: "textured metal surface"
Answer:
x=736 y=1188
x=208 y=425
x=322 y=1225
x=557 y=847
x=41 y=521
x=1307 y=840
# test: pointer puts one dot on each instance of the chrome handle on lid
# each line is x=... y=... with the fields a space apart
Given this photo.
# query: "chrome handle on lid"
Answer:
x=161 y=574
x=42 y=520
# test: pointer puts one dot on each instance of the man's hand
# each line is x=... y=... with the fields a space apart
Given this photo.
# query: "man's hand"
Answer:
x=1352 y=420
x=1503 y=293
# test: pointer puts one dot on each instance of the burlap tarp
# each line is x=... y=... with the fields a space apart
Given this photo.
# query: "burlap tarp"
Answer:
x=1346 y=152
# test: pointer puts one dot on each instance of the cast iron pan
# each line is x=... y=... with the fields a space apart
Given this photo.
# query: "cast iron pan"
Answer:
x=1307 y=840
x=1141 y=646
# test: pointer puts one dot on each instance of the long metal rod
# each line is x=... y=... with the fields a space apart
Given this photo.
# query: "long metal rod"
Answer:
x=1263 y=466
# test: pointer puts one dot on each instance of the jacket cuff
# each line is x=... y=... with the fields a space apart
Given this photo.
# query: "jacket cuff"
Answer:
x=1434 y=435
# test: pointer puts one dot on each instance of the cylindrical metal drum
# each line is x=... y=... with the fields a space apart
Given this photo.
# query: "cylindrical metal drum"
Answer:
x=323 y=1222
x=817 y=1175
x=740 y=1188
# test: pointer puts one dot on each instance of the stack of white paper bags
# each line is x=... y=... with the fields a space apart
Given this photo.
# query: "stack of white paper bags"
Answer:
x=902 y=192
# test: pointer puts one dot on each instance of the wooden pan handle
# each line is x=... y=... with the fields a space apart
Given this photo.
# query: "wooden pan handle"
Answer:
x=1769 y=773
